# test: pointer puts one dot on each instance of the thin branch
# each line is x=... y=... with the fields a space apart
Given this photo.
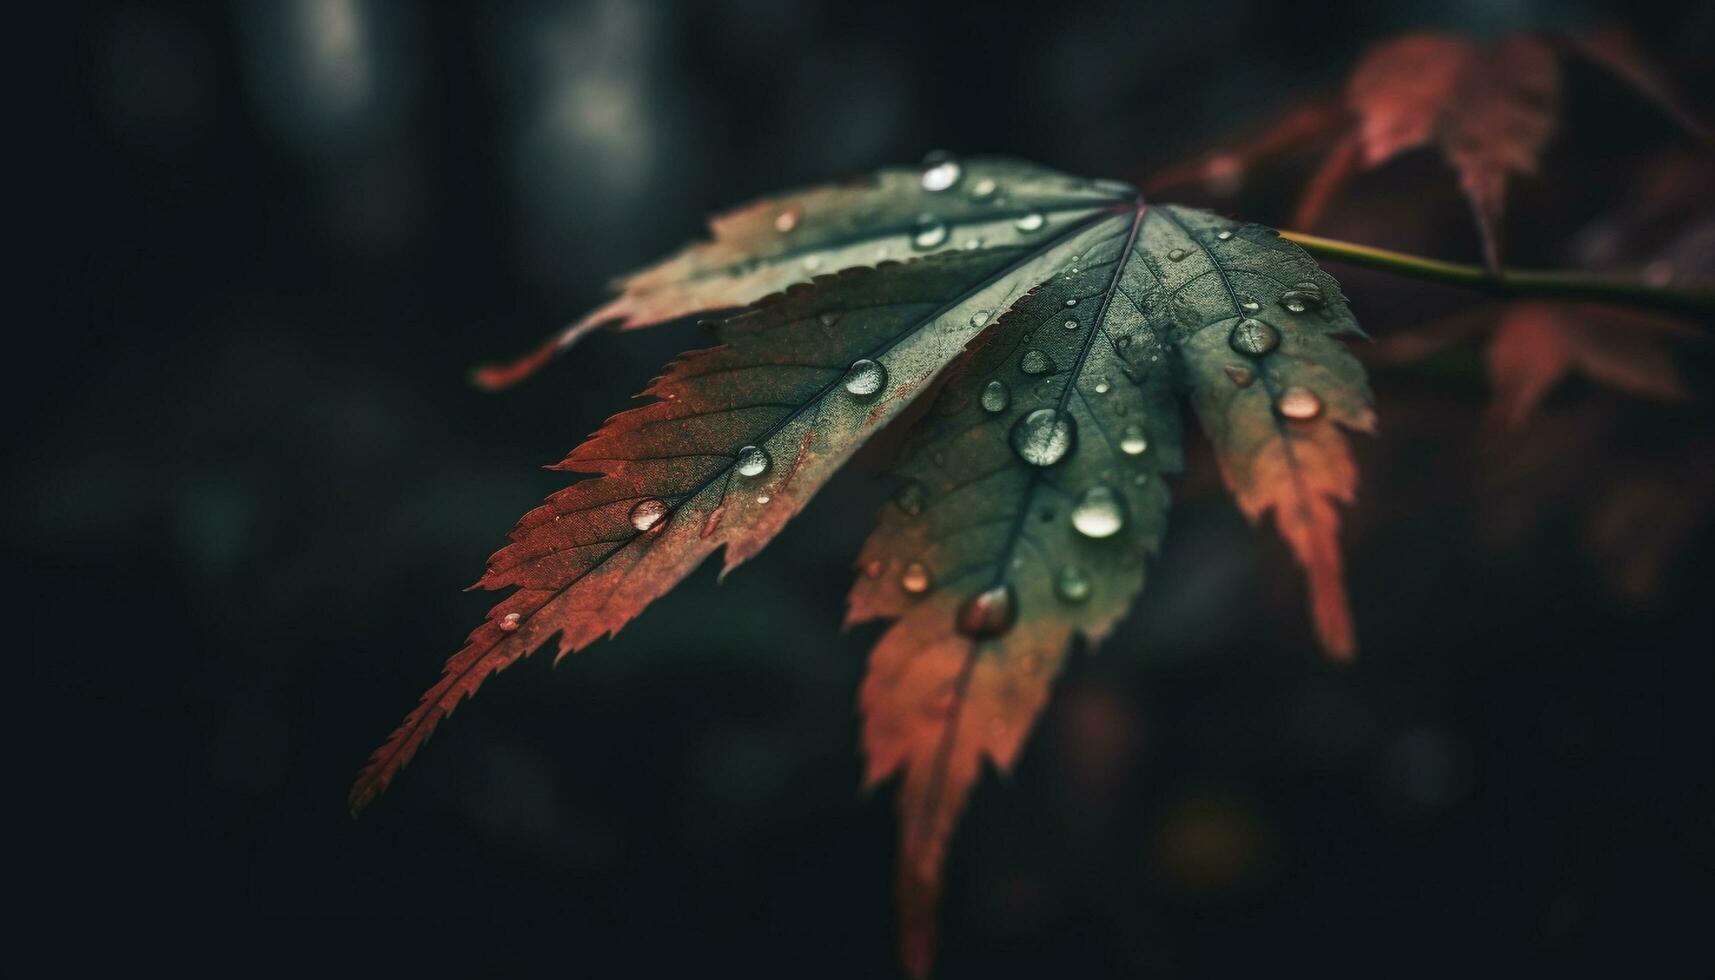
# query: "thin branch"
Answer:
x=1694 y=301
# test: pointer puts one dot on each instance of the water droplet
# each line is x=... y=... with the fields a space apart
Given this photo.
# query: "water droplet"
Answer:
x=1240 y=376
x=995 y=397
x=930 y=232
x=1224 y=235
x=1250 y=306
x=1102 y=387
x=751 y=461
x=788 y=219
x=942 y=175
x=1253 y=337
x=1299 y=403
x=1030 y=222
x=812 y=262
x=910 y=498
x=1177 y=254
x=1072 y=302
x=972 y=244
x=1098 y=513
x=763 y=498
x=979 y=318
x=865 y=377
x=1044 y=437
x=1133 y=441
x=1071 y=324
x=648 y=513
x=989 y=613
x=983 y=187
x=1299 y=300
x=915 y=579
x=509 y=622
x=1071 y=584
x=1035 y=362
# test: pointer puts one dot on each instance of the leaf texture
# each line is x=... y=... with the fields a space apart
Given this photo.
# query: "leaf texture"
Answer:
x=1062 y=321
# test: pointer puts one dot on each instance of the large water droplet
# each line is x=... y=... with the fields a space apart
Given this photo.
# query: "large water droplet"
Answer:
x=942 y=175
x=1035 y=362
x=1299 y=300
x=1030 y=222
x=915 y=579
x=910 y=497
x=1099 y=513
x=509 y=622
x=1299 y=403
x=987 y=614
x=1254 y=337
x=1251 y=306
x=996 y=397
x=788 y=219
x=865 y=377
x=1070 y=324
x=1102 y=387
x=1177 y=254
x=1224 y=235
x=648 y=513
x=983 y=188
x=1044 y=437
x=930 y=232
x=1071 y=584
x=1132 y=441
x=979 y=318
x=751 y=461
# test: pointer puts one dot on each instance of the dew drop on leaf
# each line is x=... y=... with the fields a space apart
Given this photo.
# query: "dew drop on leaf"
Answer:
x=979 y=318
x=1071 y=584
x=1299 y=300
x=812 y=262
x=1251 y=306
x=1071 y=324
x=930 y=232
x=1072 y=302
x=983 y=188
x=1298 y=403
x=996 y=397
x=1035 y=362
x=1240 y=376
x=1102 y=387
x=1098 y=513
x=911 y=497
x=942 y=175
x=752 y=461
x=509 y=622
x=1224 y=235
x=915 y=579
x=865 y=377
x=1044 y=437
x=989 y=613
x=1132 y=441
x=1177 y=254
x=1030 y=222
x=1254 y=337
x=648 y=513
x=788 y=219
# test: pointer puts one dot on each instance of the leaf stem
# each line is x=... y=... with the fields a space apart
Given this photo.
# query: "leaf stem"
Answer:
x=1696 y=301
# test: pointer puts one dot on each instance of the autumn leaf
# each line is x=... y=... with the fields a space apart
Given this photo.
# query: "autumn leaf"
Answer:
x=1067 y=319
x=1537 y=344
x=1489 y=107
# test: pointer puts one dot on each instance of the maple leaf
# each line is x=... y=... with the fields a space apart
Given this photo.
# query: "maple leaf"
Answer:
x=1073 y=316
x=1490 y=107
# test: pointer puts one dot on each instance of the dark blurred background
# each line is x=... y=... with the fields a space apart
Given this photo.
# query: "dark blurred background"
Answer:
x=248 y=481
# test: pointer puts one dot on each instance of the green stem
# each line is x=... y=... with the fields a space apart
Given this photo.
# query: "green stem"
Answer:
x=1512 y=282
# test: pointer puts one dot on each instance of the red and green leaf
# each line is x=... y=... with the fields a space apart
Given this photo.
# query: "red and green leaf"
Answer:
x=1073 y=317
